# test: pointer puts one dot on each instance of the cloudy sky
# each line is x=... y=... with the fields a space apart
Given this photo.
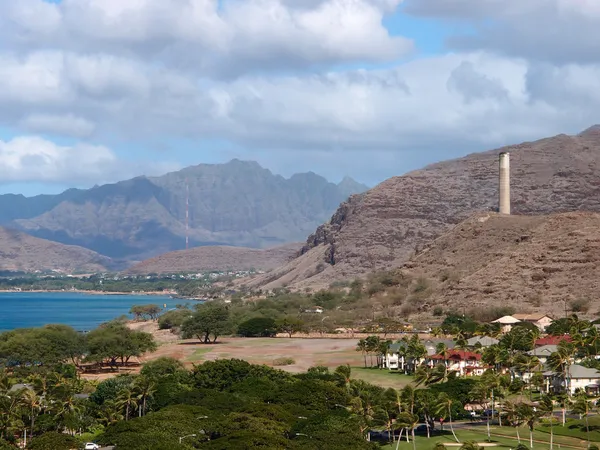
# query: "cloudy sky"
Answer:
x=94 y=91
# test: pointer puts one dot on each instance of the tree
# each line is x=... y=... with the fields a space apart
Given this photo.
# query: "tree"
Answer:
x=290 y=325
x=410 y=422
x=582 y=406
x=116 y=343
x=145 y=312
x=362 y=347
x=560 y=361
x=443 y=408
x=546 y=408
x=209 y=320
x=470 y=445
x=258 y=327
x=162 y=367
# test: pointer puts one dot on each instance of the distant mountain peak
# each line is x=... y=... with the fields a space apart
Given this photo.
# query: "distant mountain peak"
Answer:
x=594 y=130
x=350 y=186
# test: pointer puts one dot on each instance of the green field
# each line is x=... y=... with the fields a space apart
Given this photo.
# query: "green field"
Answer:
x=504 y=438
x=382 y=377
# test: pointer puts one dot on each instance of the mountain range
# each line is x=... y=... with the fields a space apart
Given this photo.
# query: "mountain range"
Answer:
x=236 y=204
x=387 y=225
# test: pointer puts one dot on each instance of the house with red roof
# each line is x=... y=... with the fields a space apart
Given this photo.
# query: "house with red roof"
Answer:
x=464 y=363
x=552 y=340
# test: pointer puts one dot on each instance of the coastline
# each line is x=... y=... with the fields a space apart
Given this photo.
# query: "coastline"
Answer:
x=88 y=292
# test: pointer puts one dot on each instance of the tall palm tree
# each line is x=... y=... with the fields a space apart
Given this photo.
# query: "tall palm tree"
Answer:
x=514 y=416
x=362 y=347
x=443 y=407
x=583 y=406
x=560 y=361
x=33 y=403
x=144 y=388
x=127 y=399
x=546 y=408
x=531 y=417
x=422 y=376
x=410 y=422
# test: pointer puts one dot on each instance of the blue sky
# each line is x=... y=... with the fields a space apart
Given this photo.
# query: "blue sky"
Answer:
x=94 y=91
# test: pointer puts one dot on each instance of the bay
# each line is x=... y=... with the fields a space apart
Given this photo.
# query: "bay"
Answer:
x=84 y=312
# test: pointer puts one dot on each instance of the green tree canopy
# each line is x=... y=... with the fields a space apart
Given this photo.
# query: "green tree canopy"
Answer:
x=208 y=320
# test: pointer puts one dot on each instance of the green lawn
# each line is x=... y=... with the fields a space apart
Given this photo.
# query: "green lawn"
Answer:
x=504 y=438
x=382 y=377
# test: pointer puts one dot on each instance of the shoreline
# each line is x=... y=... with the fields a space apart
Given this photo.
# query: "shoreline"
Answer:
x=88 y=292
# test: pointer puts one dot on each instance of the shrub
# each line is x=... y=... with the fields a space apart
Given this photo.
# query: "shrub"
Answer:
x=581 y=305
x=421 y=285
x=54 y=441
x=438 y=311
x=284 y=361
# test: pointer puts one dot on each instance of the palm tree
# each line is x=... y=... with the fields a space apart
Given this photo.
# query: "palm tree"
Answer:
x=560 y=361
x=582 y=406
x=126 y=399
x=344 y=372
x=443 y=407
x=362 y=347
x=422 y=376
x=546 y=408
x=530 y=416
x=408 y=396
x=515 y=416
x=372 y=346
x=144 y=388
x=32 y=402
x=410 y=422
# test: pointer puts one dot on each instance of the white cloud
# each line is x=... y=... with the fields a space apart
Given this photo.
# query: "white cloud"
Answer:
x=278 y=79
x=555 y=31
x=67 y=125
x=229 y=37
x=31 y=158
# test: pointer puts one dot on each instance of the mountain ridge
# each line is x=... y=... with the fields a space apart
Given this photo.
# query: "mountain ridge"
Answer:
x=238 y=203
x=383 y=227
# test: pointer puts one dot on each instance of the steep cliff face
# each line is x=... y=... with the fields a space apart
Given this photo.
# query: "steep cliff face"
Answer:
x=383 y=227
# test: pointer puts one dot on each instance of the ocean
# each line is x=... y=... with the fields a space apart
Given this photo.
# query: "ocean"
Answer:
x=83 y=312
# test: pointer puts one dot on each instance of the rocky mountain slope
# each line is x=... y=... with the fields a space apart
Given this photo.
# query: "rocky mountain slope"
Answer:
x=20 y=252
x=383 y=227
x=534 y=263
x=238 y=203
x=217 y=258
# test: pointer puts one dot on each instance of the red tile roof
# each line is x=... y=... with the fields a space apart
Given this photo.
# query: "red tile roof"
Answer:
x=552 y=340
x=461 y=355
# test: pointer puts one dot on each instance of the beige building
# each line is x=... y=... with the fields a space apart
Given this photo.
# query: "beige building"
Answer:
x=539 y=320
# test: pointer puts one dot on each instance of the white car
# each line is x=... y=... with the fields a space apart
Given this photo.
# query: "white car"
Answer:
x=91 y=446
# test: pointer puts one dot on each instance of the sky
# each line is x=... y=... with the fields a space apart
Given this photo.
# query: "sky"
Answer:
x=96 y=91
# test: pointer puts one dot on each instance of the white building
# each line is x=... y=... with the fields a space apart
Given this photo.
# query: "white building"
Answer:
x=506 y=323
x=578 y=378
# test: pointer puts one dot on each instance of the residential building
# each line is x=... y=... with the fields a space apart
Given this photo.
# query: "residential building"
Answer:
x=464 y=363
x=578 y=378
x=481 y=341
x=539 y=320
x=506 y=322
x=551 y=340
x=542 y=353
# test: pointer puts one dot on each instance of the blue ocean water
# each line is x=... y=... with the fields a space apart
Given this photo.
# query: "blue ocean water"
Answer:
x=81 y=311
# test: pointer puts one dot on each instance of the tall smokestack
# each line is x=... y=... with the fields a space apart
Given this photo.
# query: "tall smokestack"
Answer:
x=504 y=206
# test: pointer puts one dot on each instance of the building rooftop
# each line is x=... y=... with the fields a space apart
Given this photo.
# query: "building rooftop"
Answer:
x=530 y=317
x=544 y=350
x=484 y=341
x=552 y=340
x=506 y=320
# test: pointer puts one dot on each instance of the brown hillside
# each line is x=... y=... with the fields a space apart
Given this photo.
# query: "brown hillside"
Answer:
x=383 y=227
x=534 y=263
x=217 y=258
x=21 y=252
